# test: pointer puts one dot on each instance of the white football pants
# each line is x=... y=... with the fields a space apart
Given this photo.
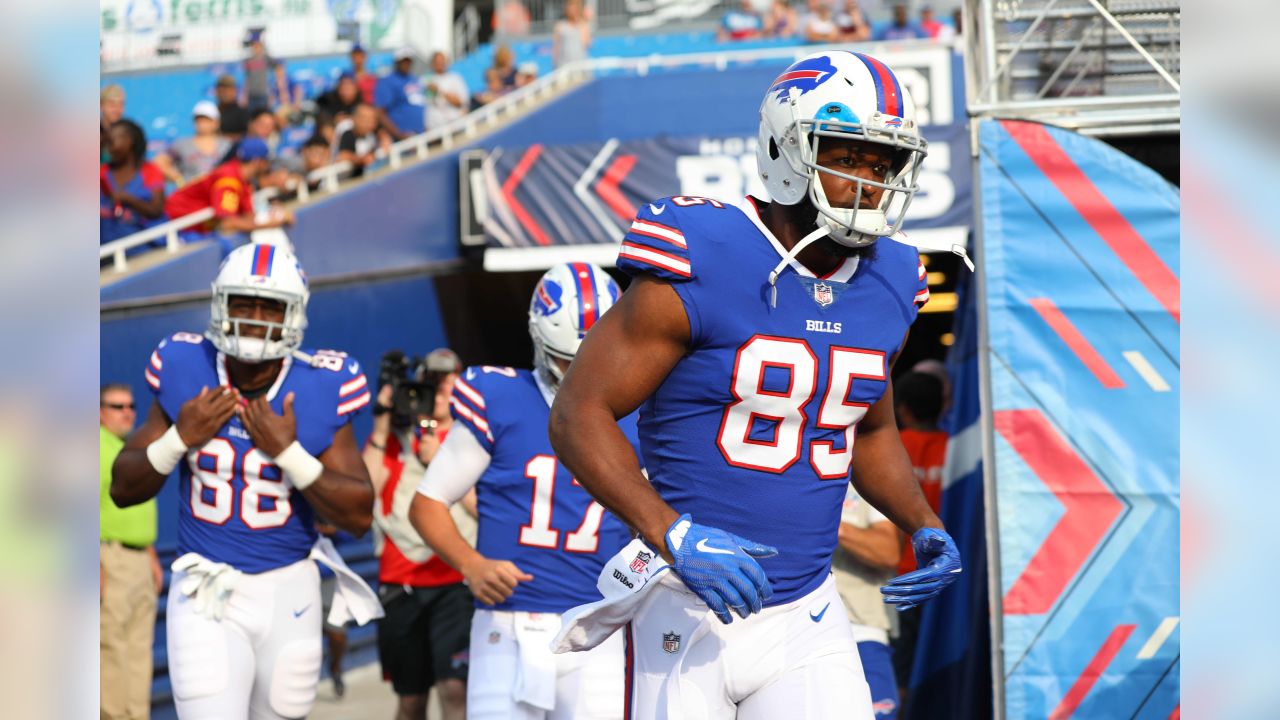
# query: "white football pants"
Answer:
x=262 y=660
x=588 y=685
x=797 y=660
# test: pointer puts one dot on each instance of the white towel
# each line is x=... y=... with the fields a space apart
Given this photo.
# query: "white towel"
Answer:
x=352 y=598
x=536 y=674
x=623 y=582
x=209 y=584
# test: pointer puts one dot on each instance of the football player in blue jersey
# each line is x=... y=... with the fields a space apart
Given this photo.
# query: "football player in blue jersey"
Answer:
x=260 y=433
x=756 y=340
x=542 y=540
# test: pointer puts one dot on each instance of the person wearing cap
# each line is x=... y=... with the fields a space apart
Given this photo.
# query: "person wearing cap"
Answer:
x=365 y=80
x=228 y=189
x=233 y=116
x=188 y=158
x=401 y=99
x=424 y=638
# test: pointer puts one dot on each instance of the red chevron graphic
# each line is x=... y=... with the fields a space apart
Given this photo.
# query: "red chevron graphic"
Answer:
x=509 y=194
x=608 y=190
x=1076 y=341
x=1083 y=684
x=1090 y=509
x=1097 y=210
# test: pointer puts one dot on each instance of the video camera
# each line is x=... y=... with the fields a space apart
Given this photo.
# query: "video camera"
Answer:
x=413 y=392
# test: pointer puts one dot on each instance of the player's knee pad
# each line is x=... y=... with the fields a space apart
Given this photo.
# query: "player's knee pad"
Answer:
x=294 y=678
x=199 y=659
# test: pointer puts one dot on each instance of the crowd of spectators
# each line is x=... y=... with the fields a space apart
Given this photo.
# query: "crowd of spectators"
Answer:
x=357 y=118
x=829 y=21
x=354 y=120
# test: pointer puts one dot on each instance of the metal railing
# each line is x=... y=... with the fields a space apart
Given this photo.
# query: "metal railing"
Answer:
x=327 y=180
x=1096 y=66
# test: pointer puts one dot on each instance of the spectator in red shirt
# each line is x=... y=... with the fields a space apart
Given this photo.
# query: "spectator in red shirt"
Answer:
x=367 y=81
x=228 y=189
x=423 y=639
x=131 y=189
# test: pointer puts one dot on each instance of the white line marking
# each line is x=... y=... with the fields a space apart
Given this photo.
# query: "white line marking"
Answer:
x=1157 y=638
x=1148 y=373
x=585 y=196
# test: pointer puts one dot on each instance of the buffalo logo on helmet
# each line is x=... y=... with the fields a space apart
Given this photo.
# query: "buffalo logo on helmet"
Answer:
x=546 y=299
x=805 y=75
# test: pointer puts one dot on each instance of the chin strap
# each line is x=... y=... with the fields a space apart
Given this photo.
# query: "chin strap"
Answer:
x=936 y=246
x=805 y=242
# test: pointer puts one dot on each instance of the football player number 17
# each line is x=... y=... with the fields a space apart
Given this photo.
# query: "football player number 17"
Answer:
x=539 y=533
x=782 y=409
x=264 y=499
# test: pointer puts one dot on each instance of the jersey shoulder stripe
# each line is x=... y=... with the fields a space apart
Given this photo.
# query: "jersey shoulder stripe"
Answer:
x=335 y=372
x=922 y=285
x=469 y=403
x=656 y=243
x=177 y=350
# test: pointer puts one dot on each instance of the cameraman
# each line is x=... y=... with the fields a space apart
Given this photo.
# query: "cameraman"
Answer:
x=423 y=640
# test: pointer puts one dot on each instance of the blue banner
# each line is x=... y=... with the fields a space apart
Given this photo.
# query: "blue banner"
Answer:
x=1079 y=256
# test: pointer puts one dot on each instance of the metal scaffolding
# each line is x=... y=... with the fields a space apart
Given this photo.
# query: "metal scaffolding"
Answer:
x=1101 y=67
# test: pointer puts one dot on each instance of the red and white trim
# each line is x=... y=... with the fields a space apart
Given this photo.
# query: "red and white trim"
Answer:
x=656 y=258
x=354 y=404
x=659 y=232
x=155 y=361
x=481 y=424
x=469 y=392
x=152 y=380
x=352 y=386
x=922 y=297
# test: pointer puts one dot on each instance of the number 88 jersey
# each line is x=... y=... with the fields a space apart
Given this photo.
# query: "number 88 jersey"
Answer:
x=753 y=430
x=235 y=505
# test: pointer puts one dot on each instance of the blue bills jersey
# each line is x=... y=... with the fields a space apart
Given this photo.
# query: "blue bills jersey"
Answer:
x=532 y=511
x=753 y=430
x=235 y=505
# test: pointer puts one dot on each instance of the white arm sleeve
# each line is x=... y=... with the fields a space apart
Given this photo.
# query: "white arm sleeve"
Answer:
x=456 y=468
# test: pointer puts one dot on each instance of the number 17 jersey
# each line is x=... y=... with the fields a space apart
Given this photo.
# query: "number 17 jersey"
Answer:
x=753 y=430
x=532 y=512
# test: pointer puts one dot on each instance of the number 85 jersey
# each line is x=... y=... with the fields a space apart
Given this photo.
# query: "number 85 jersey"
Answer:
x=235 y=505
x=753 y=430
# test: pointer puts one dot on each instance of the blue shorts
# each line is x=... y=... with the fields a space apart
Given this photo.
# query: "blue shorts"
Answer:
x=877 y=665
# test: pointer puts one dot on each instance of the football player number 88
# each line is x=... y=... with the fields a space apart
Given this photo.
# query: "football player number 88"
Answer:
x=773 y=403
x=264 y=498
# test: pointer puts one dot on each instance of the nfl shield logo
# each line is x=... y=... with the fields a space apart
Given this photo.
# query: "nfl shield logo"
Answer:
x=671 y=642
x=494 y=637
x=641 y=562
x=822 y=294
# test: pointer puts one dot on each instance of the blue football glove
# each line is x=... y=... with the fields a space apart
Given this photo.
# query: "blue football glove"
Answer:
x=938 y=561
x=719 y=567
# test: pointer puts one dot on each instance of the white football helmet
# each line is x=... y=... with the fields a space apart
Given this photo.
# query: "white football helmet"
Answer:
x=568 y=300
x=840 y=94
x=267 y=271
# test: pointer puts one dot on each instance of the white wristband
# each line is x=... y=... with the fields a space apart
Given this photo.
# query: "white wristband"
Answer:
x=167 y=451
x=300 y=466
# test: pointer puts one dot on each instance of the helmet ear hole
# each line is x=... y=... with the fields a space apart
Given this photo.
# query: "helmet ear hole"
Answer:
x=773 y=149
